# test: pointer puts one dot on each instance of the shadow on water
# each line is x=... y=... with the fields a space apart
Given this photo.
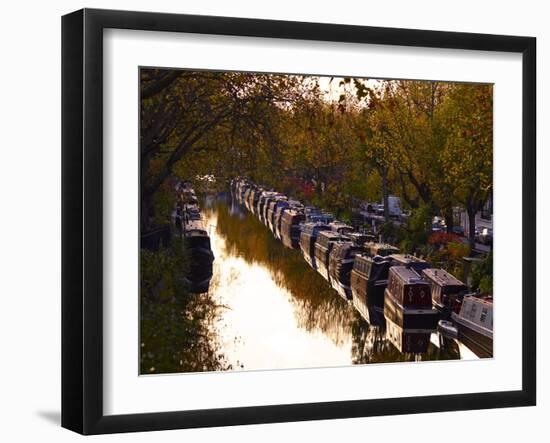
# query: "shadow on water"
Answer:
x=317 y=308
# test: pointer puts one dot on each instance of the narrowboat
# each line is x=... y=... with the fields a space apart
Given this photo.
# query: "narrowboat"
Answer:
x=279 y=210
x=308 y=236
x=260 y=206
x=288 y=206
x=290 y=228
x=447 y=291
x=475 y=324
x=272 y=211
x=408 y=300
x=243 y=190
x=382 y=249
x=323 y=247
x=253 y=199
x=341 y=260
x=201 y=258
x=246 y=196
x=271 y=200
x=369 y=278
x=407 y=340
x=410 y=261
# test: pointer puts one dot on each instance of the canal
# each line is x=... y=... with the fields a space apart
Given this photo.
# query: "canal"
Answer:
x=277 y=312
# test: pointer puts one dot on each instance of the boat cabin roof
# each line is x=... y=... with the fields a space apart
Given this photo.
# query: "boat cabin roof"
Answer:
x=406 y=275
x=407 y=259
x=311 y=227
x=331 y=235
x=194 y=225
x=364 y=256
x=381 y=249
x=441 y=277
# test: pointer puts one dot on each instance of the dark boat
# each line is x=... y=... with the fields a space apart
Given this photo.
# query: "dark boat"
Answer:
x=411 y=341
x=369 y=278
x=382 y=249
x=260 y=206
x=241 y=191
x=447 y=290
x=271 y=201
x=323 y=247
x=408 y=300
x=341 y=261
x=308 y=236
x=410 y=261
x=201 y=258
x=275 y=208
x=290 y=227
x=253 y=199
x=246 y=196
x=279 y=211
x=475 y=324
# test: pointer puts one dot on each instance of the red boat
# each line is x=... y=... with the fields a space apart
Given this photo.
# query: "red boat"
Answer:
x=408 y=301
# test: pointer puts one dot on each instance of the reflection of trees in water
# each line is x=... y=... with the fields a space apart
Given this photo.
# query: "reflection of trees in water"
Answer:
x=317 y=305
x=177 y=337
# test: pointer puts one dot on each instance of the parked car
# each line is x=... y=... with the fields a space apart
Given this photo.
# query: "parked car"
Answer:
x=485 y=236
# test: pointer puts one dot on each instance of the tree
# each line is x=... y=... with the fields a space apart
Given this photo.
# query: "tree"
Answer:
x=182 y=111
x=468 y=153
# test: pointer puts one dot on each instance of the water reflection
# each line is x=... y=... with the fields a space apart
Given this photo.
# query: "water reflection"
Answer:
x=278 y=312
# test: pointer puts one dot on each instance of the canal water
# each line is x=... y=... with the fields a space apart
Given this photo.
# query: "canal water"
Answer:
x=277 y=312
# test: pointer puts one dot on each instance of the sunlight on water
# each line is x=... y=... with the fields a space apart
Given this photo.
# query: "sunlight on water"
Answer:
x=258 y=327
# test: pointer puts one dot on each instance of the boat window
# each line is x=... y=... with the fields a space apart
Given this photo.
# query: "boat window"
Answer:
x=483 y=315
x=473 y=310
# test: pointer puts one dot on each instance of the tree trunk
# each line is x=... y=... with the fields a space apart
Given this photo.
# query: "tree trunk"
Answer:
x=471 y=227
x=449 y=219
x=385 y=194
x=146 y=211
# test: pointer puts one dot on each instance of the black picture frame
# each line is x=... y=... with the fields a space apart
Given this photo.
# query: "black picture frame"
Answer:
x=82 y=219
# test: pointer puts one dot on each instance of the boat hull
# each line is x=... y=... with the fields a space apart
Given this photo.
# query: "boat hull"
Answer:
x=478 y=343
x=409 y=318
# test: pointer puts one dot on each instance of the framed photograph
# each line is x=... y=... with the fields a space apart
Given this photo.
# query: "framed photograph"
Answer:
x=269 y=221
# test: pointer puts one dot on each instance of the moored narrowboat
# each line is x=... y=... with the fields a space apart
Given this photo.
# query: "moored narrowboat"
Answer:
x=246 y=196
x=201 y=258
x=475 y=324
x=308 y=236
x=290 y=227
x=369 y=278
x=408 y=301
x=341 y=260
x=253 y=199
x=323 y=247
x=274 y=208
x=447 y=290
